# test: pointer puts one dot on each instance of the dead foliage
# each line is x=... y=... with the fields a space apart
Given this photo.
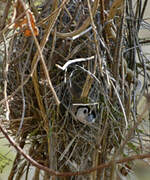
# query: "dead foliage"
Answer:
x=84 y=54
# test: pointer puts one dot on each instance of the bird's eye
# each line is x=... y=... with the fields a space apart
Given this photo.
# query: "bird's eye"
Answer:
x=85 y=111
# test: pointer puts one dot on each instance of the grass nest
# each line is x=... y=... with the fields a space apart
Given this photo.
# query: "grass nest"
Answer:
x=52 y=133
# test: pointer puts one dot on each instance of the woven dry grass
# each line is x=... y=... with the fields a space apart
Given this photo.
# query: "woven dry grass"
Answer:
x=51 y=131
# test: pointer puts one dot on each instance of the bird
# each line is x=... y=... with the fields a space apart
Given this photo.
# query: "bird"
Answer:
x=85 y=116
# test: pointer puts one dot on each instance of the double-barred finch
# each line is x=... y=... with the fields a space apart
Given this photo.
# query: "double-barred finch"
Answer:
x=85 y=116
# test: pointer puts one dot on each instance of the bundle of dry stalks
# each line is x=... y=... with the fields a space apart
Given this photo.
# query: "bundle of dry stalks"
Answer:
x=83 y=56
